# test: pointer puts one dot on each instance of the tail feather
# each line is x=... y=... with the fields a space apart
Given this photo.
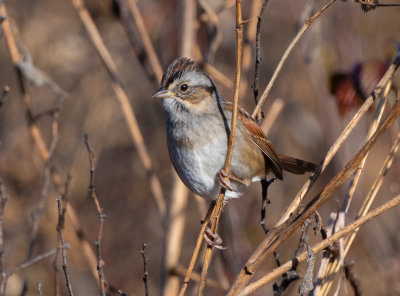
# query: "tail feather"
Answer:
x=296 y=166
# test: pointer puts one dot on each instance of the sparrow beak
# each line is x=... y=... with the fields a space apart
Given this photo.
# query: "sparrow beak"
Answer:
x=163 y=93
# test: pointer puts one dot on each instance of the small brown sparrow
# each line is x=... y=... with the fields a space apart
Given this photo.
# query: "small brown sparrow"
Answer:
x=198 y=127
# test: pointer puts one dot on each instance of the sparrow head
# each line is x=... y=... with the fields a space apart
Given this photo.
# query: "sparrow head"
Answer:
x=185 y=87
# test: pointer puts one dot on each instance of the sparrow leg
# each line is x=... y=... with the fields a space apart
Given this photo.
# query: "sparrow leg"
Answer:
x=212 y=239
x=265 y=185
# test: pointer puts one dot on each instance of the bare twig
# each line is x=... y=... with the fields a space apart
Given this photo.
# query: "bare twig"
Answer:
x=102 y=216
x=220 y=201
x=134 y=40
x=196 y=250
x=137 y=17
x=278 y=235
x=145 y=272
x=62 y=202
x=320 y=246
x=254 y=86
x=32 y=261
x=43 y=195
x=123 y=100
x=176 y=215
x=306 y=25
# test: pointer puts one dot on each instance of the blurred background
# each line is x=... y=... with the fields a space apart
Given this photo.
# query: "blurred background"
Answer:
x=335 y=65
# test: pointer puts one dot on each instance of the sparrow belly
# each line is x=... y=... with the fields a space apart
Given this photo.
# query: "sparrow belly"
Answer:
x=197 y=164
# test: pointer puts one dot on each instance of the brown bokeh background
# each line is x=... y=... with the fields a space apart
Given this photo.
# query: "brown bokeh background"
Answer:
x=306 y=128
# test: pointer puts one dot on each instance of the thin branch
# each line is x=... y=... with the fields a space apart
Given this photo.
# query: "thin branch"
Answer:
x=196 y=249
x=63 y=244
x=62 y=202
x=145 y=272
x=43 y=195
x=102 y=216
x=306 y=25
x=254 y=86
x=277 y=272
x=30 y=262
x=176 y=216
x=123 y=100
x=220 y=201
x=137 y=17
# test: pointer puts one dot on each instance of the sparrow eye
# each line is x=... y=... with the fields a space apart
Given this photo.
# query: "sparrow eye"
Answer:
x=184 y=87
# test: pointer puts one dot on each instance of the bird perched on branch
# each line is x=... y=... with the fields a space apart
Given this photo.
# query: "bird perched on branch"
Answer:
x=198 y=128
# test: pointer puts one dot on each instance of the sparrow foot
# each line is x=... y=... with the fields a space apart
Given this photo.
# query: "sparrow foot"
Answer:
x=213 y=239
x=224 y=183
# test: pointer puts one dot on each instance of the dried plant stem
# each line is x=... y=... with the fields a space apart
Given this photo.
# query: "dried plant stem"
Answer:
x=258 y=51
x=180 y=193
x=279 y=234
x=61 y=212
x=188 y=31
x=123 y=100
x=23 y=266
x=336 y=264
x=196 y=250
x=350 y=229
x=137 y=17
x=145 y=272
x=16 y=58
x=220 y=201
x=44 y=152
x=351 y=190
x=62 y=203
x=175 y=234
x=306 y=25
x=380 y=87
x=92 y=191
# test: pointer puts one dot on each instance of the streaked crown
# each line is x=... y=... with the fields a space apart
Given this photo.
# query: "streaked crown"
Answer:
x=177 y=69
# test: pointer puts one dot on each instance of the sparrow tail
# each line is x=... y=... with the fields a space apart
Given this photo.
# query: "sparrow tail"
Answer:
x=296 y=166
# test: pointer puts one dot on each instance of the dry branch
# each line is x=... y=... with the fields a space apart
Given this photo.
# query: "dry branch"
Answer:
x=279 y=234
x=102 y=216
x=220 y=201
x=251 y=288
x=123 y=100
x=380 y=87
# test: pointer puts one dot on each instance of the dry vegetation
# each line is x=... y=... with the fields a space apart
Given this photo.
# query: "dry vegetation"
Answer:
x=76 y=210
